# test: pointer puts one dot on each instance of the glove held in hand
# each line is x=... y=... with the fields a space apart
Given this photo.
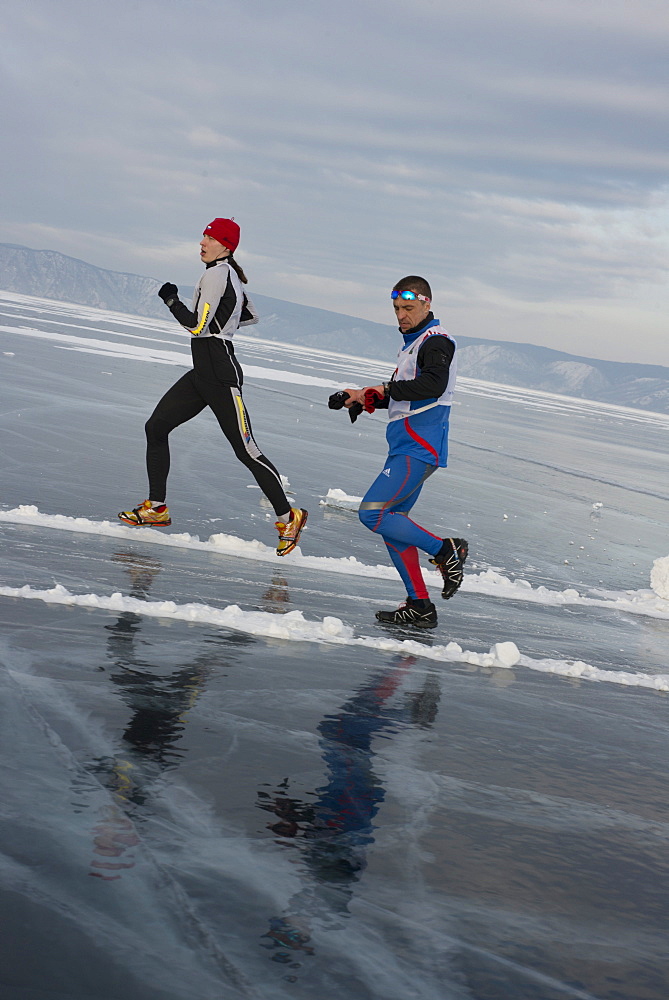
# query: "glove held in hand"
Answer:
x=337 y=401
x=372 y=397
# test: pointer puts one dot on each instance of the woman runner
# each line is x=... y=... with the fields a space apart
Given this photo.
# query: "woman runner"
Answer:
x=220 y=307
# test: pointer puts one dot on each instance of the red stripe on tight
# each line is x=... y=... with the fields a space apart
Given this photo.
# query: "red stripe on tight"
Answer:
x=388 y=685
x=412 y=565
x=419 y=440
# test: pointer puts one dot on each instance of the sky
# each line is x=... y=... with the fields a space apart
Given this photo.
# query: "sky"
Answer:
x=513 y=152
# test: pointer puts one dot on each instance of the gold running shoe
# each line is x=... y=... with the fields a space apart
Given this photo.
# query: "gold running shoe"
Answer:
x=146 y=516
x=289 y=534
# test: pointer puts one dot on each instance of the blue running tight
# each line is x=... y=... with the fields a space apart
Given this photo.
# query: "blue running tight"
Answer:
x=384 y=510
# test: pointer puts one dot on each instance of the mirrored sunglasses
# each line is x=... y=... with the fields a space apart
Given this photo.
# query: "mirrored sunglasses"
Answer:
x=408 y=296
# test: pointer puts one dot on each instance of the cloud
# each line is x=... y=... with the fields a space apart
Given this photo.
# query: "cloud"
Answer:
x=209 y=138
x=560 y=250
x=521 y=154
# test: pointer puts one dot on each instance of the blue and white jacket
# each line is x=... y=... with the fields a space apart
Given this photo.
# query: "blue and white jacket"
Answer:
x=420 y=394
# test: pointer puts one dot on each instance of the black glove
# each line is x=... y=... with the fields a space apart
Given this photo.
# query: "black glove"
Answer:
x=337 y=401
x=168 y=293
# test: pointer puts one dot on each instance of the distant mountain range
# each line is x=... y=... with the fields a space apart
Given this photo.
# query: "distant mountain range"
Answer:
x=53 y=275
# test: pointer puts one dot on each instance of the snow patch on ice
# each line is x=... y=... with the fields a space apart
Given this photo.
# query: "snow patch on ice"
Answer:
x=506 y=654
x=659 y=577
x=295 y=627
x=488 y=582
x=292 y=625
x=337 y=498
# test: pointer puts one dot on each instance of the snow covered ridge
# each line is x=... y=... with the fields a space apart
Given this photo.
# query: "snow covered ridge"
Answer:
x=651 y=603
x=293 y=626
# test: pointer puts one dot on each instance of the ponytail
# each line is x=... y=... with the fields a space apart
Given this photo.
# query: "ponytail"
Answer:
x=236 y=267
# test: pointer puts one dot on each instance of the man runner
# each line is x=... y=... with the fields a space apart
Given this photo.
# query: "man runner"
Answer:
x=418 y=398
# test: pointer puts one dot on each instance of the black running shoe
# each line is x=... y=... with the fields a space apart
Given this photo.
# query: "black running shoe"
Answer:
x=422 y=614
x=450 y=562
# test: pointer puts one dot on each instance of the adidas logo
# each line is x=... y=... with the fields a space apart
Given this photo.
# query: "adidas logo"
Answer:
x=386 y=472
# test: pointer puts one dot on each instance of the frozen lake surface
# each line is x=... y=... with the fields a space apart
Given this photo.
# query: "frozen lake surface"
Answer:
x=223 y=780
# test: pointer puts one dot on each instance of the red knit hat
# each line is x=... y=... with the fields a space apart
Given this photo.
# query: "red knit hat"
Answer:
x=226 y=231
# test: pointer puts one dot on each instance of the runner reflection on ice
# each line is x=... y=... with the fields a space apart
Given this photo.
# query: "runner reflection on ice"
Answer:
x=276 y=599
x=334 y=832
x=159 y=703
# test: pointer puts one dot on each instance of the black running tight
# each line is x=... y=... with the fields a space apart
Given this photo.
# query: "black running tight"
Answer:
x=185 y=400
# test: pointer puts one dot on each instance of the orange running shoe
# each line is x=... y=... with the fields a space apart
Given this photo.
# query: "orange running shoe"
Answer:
x=289 y=534
x=146 y=516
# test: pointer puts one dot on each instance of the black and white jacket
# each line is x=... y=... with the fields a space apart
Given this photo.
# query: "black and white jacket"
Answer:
x=220 y=307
